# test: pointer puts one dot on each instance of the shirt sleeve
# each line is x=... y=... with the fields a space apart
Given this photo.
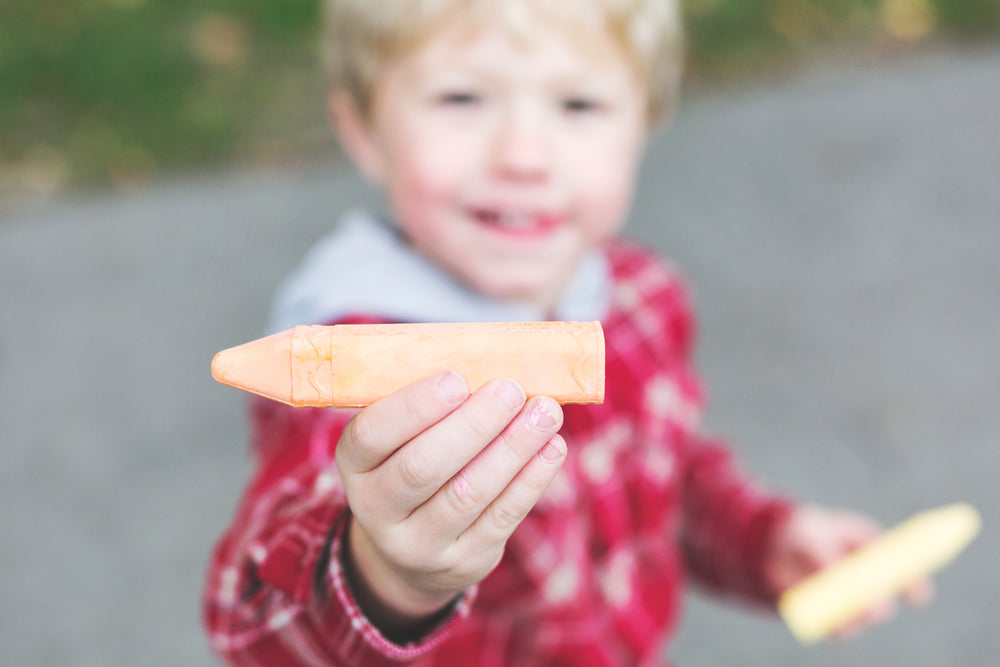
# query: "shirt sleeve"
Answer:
x=275 y=592
x=726 y=523
x=727 y=519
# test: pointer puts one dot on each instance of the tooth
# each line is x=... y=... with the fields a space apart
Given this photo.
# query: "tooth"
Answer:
x=517 y=219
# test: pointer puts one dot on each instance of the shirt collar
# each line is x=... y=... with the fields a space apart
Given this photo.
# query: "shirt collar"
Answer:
x=365 y=267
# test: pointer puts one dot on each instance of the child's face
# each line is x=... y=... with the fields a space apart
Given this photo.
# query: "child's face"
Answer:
x=504 y=162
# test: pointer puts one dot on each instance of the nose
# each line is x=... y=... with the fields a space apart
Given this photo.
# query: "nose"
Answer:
x=522 y=151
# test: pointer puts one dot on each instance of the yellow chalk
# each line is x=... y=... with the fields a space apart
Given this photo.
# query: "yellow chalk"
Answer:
x=878 y=571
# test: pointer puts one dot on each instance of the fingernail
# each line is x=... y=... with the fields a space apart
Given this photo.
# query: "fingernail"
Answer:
x=510 y=393
x=550 y=453
x=453 y=387
x=540 y=416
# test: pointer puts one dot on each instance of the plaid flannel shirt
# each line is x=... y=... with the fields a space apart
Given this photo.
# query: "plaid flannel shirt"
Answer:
x=594 y=574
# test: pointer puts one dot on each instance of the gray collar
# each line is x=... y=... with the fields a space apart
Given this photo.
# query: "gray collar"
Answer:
x=364 y=267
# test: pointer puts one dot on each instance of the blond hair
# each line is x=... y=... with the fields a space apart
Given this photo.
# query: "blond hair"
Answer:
x=361 y=36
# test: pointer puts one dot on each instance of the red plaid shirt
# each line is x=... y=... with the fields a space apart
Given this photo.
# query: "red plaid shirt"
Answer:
x=594 y=574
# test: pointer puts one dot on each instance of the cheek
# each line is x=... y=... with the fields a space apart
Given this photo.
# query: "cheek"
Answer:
x=426 y=176
x=604 y=174
x=423 y=189
x=430 y=157
x=605 y=200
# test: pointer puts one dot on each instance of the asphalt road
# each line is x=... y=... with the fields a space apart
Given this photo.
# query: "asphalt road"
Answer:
x=841 y=228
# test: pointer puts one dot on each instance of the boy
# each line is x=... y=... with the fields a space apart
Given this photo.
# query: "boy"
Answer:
x=449 y=528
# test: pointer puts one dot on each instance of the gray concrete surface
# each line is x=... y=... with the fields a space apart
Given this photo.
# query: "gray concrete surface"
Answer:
x=841 y=229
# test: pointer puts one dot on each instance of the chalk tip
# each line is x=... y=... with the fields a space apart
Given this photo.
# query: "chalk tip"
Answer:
x=261 y=367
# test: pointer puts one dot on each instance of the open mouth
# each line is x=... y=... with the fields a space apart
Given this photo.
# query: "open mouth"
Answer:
x=514 y=222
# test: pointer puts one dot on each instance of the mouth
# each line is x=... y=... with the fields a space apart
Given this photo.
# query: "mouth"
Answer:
x=521 y=223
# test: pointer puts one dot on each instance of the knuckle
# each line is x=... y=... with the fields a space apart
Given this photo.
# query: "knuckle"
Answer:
x=506 y=518
x=536 y=483
x=424 y=559
x=463 y=498
x=360 y=431
x=490 y=558
x=447 y=560
x=399 y=548
x=462 y=563
x=472 y=562
x=415 y=470
x=469 y=561
x=363 y=505
x=466 y=572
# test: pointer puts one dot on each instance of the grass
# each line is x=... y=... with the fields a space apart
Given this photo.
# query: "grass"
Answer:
x=115 y=92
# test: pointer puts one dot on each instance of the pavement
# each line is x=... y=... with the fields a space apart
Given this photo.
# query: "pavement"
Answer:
x=841 y=227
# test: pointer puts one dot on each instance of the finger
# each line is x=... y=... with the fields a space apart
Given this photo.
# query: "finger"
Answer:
x=415 y=472
x=496 y=524
x=381 y=428
x=459 y=502
x=878 y=614
x=859 y=531
x=847 y=533
x=848 y=630
x=920 y=594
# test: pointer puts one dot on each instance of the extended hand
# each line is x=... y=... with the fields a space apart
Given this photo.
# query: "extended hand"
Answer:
x=815 y=537
x=437 y=481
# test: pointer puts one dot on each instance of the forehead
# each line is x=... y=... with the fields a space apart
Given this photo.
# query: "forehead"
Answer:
x=586 y=22
x=545 y=34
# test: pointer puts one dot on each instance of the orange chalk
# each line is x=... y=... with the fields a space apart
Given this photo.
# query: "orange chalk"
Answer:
x=353 y=365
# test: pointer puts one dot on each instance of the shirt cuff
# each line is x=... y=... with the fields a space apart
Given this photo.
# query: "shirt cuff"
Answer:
x=337 y=582
x=770 y=518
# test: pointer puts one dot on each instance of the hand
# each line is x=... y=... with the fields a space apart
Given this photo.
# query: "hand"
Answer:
x=815 y=537
x=437 y=480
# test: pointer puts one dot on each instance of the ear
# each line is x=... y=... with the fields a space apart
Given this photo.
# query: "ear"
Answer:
x=355 y=134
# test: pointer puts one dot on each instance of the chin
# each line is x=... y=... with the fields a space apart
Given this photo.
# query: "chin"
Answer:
x=520 y=291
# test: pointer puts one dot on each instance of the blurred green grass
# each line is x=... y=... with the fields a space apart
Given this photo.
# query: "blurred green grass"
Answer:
x=115 y=92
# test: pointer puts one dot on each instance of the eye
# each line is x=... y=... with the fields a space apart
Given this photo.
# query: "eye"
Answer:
x=579 y=105
x=459 y=98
